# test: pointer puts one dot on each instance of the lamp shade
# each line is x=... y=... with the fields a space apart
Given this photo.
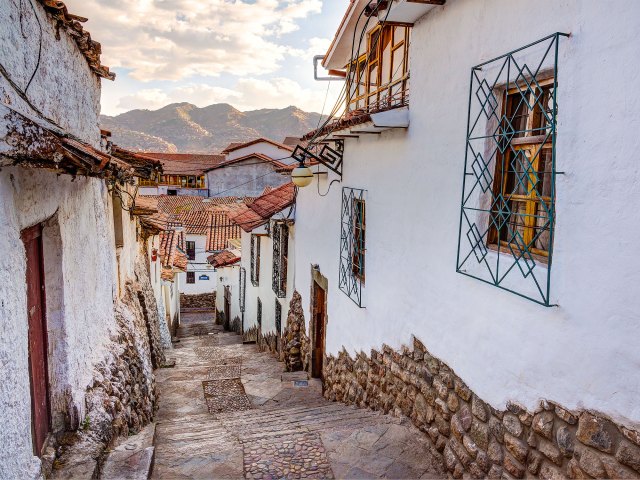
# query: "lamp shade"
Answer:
x=301 y=176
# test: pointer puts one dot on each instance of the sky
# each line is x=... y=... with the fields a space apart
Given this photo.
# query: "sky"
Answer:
x=251 y=54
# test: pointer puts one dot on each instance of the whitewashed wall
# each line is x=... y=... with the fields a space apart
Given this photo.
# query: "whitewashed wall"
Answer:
x=201 y=267
x=265 y=148
x=229 y=276
x=581 y=353
x=264 y=290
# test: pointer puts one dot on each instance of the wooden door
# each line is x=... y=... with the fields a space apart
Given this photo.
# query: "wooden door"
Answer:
x=38 y=368
x=319 y=319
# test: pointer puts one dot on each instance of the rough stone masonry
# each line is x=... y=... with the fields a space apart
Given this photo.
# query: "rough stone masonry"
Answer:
x=474 y=438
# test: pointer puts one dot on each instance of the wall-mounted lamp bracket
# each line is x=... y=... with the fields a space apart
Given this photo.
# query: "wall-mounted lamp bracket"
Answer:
x=328 y=156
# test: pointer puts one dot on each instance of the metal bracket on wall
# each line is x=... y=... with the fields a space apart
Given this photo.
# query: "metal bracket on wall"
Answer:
x=330 y=157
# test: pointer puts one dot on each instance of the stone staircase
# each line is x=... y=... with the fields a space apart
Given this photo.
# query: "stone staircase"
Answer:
x=277 y=421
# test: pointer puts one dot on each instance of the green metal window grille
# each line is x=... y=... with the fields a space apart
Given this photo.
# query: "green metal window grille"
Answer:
x=507 y=215
x=280 y=237
x=352 y=244
x=278 y=317
x=259 y=313
x=255 y=260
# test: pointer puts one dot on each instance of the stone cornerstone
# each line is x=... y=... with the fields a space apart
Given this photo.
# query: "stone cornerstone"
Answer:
x=296 y=346
x=474 y=438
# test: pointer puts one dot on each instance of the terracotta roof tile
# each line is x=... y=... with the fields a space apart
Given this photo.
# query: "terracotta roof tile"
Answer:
x=185 y=163
x=235 y=146
x=264 y=207
x=247 y=219
x=274 y=201
x=171 y=254
x=224 y=258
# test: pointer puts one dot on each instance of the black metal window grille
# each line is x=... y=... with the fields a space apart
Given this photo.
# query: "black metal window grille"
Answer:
x=191 y=250
x=278 y=317
x=507 y=215
x=259 y=313
x=243 y=288
x=255 y=260
x=191 y=277
x=280 y=239
x=352 y=244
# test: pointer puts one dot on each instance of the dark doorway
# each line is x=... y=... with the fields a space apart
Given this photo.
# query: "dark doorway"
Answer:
x=319 y=324
x=38 y=345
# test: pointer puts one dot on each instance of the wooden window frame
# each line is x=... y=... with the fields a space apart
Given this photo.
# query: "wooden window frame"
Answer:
x=359 y=239
x=189 y=250
x=534 y=145
x=191 y=277
x=368 y=94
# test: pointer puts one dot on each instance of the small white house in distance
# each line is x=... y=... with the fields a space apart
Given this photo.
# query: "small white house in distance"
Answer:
x=249 y=168
x=267 y=266
x=205 y=228
x=206 y=232
x=483 y=219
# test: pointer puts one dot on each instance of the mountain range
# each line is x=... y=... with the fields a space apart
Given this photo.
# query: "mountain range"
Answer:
x=183 y=127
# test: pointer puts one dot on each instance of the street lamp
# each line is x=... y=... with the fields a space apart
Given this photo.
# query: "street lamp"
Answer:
x=302 y=175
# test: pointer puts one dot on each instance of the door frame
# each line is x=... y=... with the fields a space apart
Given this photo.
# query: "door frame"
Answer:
x=318 y=281
x=39 y=438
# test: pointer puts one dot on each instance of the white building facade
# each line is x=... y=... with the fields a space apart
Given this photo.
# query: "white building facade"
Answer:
x=464 y=204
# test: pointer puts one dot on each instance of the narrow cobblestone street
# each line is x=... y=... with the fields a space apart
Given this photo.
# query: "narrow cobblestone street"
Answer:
x=228 y=411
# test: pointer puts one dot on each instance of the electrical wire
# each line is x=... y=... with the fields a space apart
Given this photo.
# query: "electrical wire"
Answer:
x=35 y=14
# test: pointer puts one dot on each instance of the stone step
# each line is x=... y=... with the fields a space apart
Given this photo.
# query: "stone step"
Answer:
x=314 y=419
x=132 y=459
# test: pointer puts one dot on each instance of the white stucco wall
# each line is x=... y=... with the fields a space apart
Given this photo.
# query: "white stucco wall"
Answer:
x=200 y=266
x=262 y=147
x=582 y=352
x=230 y=276
x=264 y=290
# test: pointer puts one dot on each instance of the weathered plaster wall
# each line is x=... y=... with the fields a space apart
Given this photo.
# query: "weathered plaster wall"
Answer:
x=63 y=83
x=246 y=178
x=578 y=354
x=85 y=297
x=230 y=277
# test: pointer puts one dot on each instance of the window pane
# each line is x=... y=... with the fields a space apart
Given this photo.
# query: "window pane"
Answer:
x=398 y=62
x=542 y=230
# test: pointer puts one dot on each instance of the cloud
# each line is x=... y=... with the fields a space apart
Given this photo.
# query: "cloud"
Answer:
x=178 y=39
x=247 y=94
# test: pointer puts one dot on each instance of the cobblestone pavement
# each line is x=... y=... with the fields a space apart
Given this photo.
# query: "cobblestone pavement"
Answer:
x=279 y=430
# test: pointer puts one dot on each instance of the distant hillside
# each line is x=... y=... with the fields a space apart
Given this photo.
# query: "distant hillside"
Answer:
x=183 y=127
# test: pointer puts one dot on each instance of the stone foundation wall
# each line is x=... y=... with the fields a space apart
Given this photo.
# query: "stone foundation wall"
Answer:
x=472 y=437
x=120 y=400
x=149 y=307
x=236 y=325
x=296 y=345
x=202 y=301
x=269 y=342
x=250 y=335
